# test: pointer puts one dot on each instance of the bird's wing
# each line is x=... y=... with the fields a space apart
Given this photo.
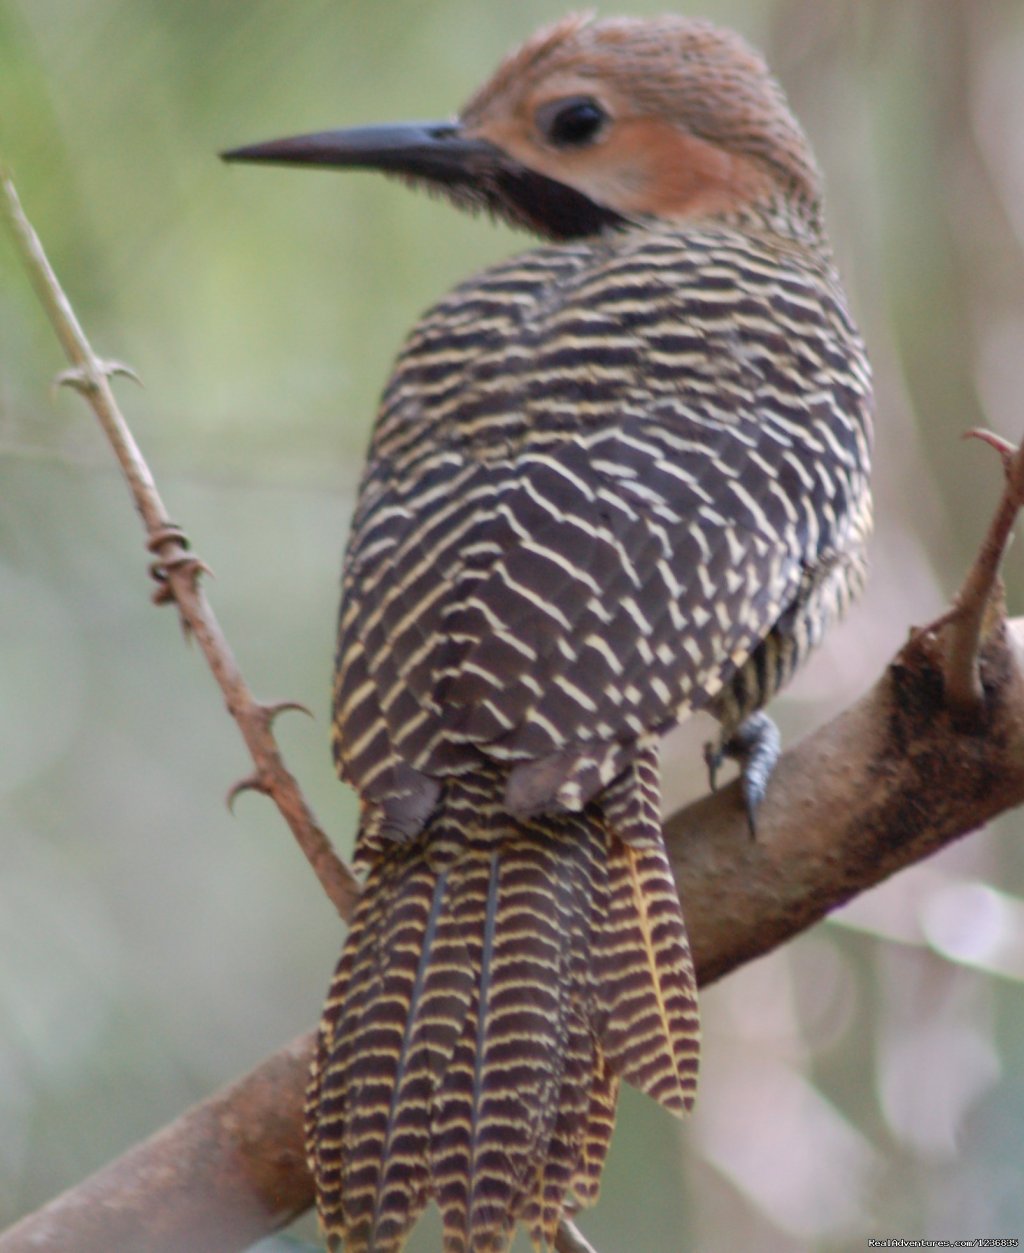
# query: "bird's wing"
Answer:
x=593 y=590
x=592 y=582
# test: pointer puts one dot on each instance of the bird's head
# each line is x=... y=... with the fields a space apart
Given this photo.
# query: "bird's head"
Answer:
x=591 y=125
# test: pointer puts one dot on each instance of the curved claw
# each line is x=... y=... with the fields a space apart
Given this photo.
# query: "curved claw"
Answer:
x=83 y=379
x=755 y=744
x=251 y=783
x=714 y=755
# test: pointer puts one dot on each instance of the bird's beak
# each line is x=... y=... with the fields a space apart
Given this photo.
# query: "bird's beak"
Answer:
x=439 y=152
x=470 y=171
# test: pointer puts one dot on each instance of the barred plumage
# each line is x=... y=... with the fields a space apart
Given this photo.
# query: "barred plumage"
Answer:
x=587 y=510
x=614 y=480
x=499 y=985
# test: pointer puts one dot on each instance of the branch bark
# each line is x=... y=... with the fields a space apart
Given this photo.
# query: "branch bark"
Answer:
x=887 y=783
x=176 y=569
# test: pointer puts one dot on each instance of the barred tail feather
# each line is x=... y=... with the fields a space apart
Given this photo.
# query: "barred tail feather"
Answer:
x=396 y=1007
x=505 y=1092
x=501 y=975
x=604 y=1095
x=645 y=979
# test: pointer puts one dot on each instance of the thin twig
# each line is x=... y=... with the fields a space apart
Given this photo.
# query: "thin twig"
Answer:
x=176 y=567
x=965 y=624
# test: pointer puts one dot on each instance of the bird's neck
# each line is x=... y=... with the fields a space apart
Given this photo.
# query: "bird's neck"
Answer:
x=773 y=215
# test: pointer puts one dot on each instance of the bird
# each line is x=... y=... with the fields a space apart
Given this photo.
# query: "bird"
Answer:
x=617 y=479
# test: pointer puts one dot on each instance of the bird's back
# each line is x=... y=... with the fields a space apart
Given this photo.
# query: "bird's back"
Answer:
x=601 y=474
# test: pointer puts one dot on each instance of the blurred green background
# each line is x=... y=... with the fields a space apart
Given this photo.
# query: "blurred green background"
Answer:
x=867 y=1081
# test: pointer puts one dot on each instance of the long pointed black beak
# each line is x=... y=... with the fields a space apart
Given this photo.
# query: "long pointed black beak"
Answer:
x=437 y=151
x=472 y=172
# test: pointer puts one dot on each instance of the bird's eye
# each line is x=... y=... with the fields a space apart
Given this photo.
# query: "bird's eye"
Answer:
x=572 y=123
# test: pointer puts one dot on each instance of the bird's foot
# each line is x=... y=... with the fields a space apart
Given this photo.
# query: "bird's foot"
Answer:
x=755 y=745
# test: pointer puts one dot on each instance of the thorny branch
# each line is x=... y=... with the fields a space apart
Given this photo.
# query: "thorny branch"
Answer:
x=975 y=608
x=889 y=781
x=176 y=569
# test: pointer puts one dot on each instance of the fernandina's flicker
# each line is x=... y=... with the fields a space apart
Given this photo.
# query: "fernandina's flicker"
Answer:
x=613 y=480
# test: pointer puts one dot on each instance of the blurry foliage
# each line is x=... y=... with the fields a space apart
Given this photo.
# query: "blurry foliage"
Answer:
x=857 y=1084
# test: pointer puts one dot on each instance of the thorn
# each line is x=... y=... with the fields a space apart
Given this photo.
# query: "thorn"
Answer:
x=251 y=783
x=160 y=570
x=163 y=534
x=919 y=635
x=121 y=369
x=83 y=379
x=163 y=594
x=274 y=709
x=1003 y=447
x=171 y=533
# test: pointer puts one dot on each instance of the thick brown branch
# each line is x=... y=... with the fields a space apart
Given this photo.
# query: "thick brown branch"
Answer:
x=885 y=784
x=219 y=1177
x=179 y=570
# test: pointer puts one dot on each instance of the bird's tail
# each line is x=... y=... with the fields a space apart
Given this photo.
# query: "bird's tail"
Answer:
x=501 y=976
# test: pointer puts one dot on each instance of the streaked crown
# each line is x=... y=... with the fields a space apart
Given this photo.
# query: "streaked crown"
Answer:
x=669 y=116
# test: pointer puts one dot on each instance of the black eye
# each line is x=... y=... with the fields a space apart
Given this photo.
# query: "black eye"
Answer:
x=571 y=123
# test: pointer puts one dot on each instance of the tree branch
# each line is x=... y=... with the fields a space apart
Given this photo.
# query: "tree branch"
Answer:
x=219 y=1177
x=886 y=783
x=933 y=751
x=176 y=568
